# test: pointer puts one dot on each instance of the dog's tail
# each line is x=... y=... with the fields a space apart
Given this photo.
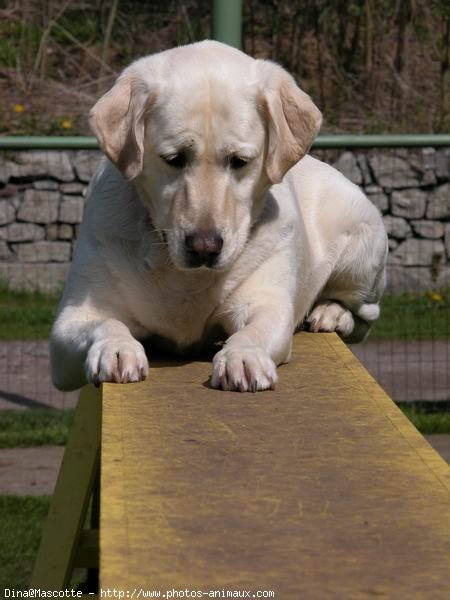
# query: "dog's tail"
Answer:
x=368 y=312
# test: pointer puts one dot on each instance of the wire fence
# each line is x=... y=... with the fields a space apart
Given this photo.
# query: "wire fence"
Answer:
x=43 y=185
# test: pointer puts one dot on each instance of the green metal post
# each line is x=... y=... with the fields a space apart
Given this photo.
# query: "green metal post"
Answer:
x=227 y=22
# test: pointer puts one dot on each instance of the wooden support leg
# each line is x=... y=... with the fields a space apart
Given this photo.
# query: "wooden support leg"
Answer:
x=92 y=576
x=79 y=470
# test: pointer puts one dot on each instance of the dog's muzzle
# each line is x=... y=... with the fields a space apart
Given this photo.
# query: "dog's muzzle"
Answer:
x=203 y=247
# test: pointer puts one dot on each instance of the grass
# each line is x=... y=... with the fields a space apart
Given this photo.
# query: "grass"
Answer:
x=26 y=315
x=34 y=427
x=427 y=419
x=22 y=517
x=412 y=316
x=21 y=522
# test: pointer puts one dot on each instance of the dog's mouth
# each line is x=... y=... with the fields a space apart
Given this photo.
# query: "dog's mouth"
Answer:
x=194 y=261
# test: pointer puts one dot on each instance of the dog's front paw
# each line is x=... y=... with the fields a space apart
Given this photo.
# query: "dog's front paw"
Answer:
x=331 y=316
x=243 y=369
x=116 y=360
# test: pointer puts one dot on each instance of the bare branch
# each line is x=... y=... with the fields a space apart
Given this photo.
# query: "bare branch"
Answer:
x=106 y=41
x=77 y=42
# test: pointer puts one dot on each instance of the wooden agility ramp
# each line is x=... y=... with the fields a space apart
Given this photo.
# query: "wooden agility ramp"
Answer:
x=320 y=489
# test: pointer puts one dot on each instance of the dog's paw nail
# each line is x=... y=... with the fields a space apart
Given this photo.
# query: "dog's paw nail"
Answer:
x=246 y=369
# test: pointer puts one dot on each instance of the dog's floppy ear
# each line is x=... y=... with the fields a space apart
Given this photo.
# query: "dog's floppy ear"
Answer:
x=117 y=120
x=293 y=120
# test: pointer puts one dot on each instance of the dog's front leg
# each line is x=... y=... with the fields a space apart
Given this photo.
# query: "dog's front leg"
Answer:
x=115 y=355
x=94 y=351
x=261 y=341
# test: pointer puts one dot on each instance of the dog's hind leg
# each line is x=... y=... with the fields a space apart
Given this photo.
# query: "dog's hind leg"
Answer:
x=349 y=301
x=331 y=315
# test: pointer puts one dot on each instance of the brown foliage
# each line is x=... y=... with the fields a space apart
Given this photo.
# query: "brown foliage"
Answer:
x=371 y=65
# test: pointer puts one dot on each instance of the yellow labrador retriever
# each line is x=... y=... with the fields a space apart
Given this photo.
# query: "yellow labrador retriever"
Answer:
x=208 y=218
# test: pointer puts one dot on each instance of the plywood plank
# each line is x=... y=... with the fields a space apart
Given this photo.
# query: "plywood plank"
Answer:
x=319 y=489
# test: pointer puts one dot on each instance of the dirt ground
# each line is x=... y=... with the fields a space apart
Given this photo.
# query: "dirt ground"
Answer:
x=30 y=471
x=25 y=377
x=409 y=371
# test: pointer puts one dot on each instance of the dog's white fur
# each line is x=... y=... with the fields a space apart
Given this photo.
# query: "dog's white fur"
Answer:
x=300 y=242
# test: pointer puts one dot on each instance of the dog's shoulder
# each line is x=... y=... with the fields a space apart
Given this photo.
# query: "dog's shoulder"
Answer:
x=113 y=209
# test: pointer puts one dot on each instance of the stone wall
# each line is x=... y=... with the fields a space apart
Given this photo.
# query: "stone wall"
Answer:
x=411 y=188
x=41 y=207
x=42 y=197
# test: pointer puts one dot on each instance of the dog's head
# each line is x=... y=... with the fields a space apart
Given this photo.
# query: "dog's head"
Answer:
x=204 y=130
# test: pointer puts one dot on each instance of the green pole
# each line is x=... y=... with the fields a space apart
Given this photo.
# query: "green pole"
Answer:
x=227 y=22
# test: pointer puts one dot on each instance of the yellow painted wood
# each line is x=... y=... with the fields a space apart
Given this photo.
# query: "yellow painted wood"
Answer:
x=87 y=552
x=320 y=489
x=67 y=514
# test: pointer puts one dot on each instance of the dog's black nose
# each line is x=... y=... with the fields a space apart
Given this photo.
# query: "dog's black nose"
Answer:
x=203 y=246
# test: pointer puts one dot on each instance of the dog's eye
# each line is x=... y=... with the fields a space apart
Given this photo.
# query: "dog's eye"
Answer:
x=236 y=162
x=178 y=161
